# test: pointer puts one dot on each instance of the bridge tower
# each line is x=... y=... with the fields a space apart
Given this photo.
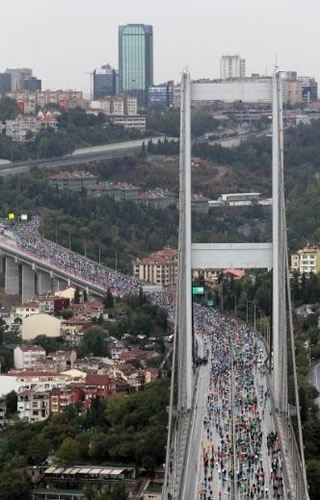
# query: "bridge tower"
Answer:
x=250 y=255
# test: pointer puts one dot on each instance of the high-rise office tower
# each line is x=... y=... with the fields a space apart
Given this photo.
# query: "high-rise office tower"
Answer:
x=136 y=60
x=32 y=84
x=232 y=67
x=104 y=82
x=18 y=75
x=5 y=84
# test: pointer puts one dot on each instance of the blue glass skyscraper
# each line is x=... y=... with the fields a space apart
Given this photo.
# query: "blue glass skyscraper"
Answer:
x=136 y=60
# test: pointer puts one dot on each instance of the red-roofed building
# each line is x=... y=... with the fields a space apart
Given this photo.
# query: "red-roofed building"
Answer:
x=72 y=181
x=159 y=268
x=96 y=386
x=59 y=399
x=236 y=274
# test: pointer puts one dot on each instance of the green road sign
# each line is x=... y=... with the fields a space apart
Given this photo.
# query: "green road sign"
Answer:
x=210 y=302
x=197 y=290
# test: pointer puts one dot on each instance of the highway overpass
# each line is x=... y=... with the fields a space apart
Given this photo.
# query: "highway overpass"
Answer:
x=82 y=155
x=27 y=275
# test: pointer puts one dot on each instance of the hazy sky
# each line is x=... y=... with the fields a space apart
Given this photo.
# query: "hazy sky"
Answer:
x=63 y=39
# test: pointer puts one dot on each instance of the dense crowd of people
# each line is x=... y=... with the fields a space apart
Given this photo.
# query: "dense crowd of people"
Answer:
x=29 y=240
x=240 y=449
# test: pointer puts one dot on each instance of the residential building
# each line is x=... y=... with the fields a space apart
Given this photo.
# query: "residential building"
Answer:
x=123 y=105
x=31 y=84
x=306 y=260
x=53 y=304
x=26 y=310
x=159 y=268
x=232 y=67
x=59 y=399
x=76 y=181
x=5 y=84
x=309 y=89
x=136 y=60
x=18 y=75
x=158 y=198
x=294 y=92
x=65 y=99
x=25 y=356
x=138 y=122
x=104 y=82
x=72 y=329
x=161 y=96
x=39 y=381
x=25 y=128
x=119 y=191
x=96 y=386
x=33 y=406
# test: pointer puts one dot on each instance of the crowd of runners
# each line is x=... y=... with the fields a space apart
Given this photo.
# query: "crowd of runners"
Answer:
x=29 y=240
x=240 y=452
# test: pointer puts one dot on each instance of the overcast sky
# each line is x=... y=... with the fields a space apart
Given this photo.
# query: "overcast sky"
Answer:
x=63 y=39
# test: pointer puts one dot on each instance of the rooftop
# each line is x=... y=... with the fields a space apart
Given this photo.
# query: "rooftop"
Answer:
x=31 y=348
x=62 y=176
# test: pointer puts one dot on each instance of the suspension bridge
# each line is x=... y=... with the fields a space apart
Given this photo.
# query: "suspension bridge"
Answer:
x=233 y=432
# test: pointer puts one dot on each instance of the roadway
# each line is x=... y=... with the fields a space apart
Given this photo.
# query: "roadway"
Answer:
x=231 y=420
x=82 y=155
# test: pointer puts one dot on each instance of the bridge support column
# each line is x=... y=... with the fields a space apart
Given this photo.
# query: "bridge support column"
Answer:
x=279 y=306
x=11 y=277
x=59 y=285
x=28 y=283
x=2 y=268
x=44 y=283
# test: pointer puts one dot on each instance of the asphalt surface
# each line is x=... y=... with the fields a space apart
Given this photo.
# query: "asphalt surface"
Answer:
x=82 y=155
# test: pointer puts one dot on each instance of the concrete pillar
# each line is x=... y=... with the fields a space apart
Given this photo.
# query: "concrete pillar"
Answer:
x=59 y=284
x=28 y=283
x=44 y=283
x=2 y=268
x=11 y=277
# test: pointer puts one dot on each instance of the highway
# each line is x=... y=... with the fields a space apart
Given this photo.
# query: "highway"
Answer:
x=82 y=155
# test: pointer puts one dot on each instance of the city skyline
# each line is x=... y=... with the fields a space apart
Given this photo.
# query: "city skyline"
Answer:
x=77 y=38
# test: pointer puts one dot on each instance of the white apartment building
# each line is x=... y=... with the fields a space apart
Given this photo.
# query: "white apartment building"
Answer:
x=23 y=128
x=131 y=106
x=306 y=260
x=138 y=122
x=232 y=67
x=26 y=310
x=33 y=406
x=26 y=356
x=116 y=105
x=39 y=381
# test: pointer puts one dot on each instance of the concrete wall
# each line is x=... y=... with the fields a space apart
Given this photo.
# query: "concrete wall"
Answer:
x=40 y=324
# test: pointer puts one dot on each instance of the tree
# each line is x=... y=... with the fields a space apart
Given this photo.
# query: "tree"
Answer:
x=14 y=485
x=108 y=299
x=76 y=298
x=94 y=342
x=11 y=403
